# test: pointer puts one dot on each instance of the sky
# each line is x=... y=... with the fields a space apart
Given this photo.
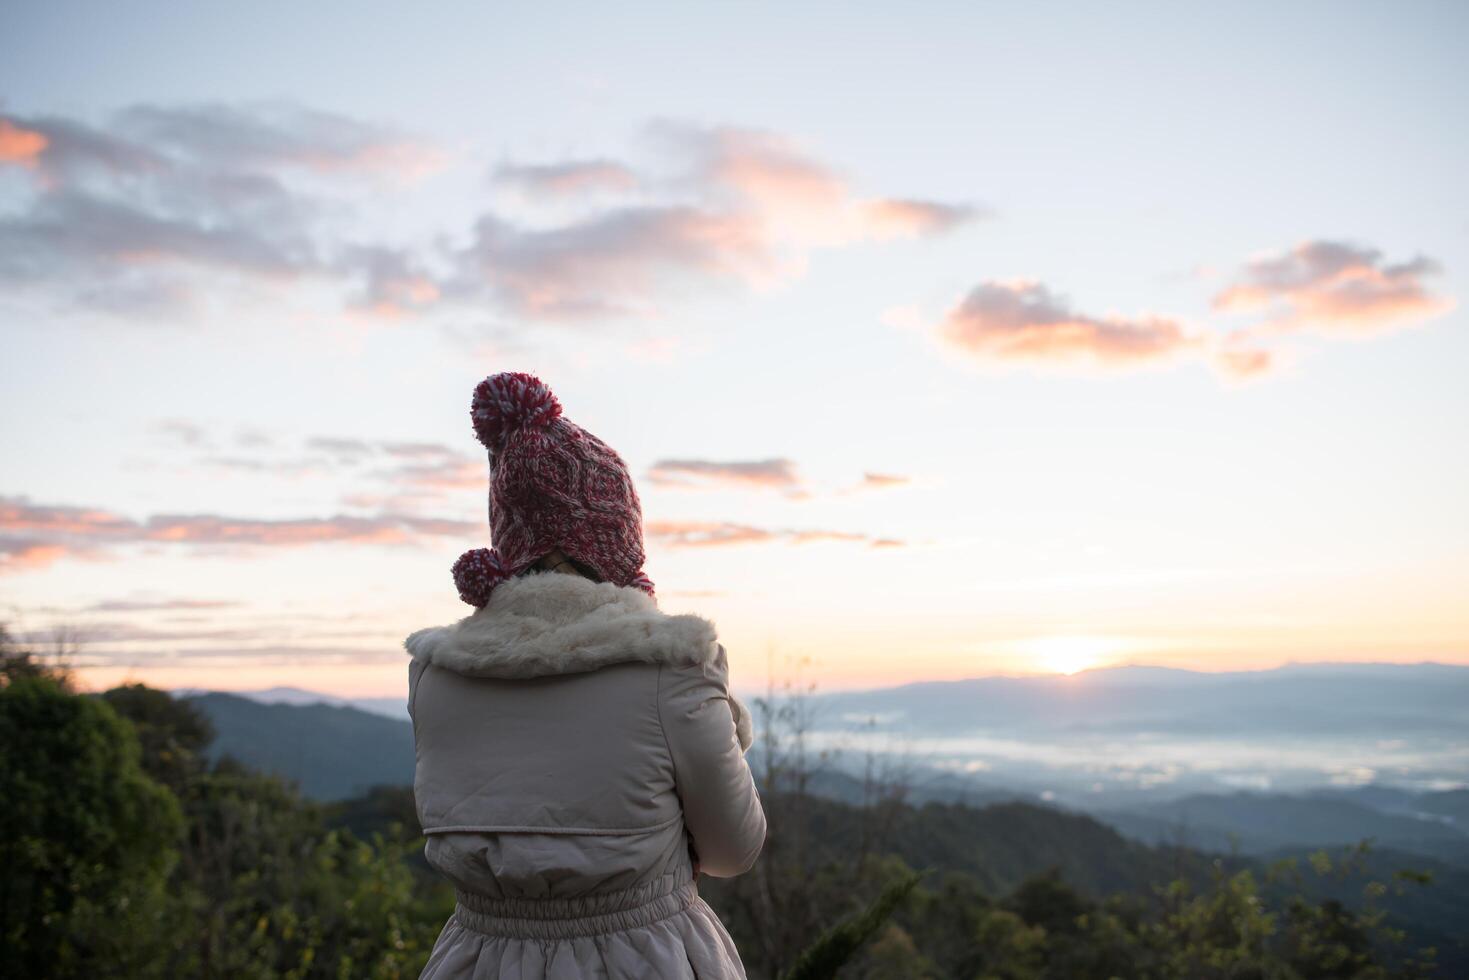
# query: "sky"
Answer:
x=942 y=340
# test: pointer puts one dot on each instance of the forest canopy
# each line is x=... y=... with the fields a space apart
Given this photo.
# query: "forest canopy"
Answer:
x=126 y=852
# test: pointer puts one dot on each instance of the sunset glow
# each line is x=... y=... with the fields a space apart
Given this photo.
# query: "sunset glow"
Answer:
x=908 y=385
x=1069 y=654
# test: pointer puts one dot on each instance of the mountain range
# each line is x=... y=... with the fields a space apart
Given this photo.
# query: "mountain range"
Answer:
x=336 y=750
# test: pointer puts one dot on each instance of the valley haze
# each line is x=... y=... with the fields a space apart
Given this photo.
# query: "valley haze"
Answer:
x=1121 y=736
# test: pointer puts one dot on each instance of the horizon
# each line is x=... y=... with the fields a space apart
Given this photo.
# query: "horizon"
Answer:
x=1150 y=731
x=968 y=365
x=745 y=690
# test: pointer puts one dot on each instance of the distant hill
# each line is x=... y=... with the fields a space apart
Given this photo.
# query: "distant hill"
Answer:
x=1002 y=844
x=1447 y=806
x=1357 y=700
x=338 y=753
x=332 y=752
x=1262 y=823
x=391 y=707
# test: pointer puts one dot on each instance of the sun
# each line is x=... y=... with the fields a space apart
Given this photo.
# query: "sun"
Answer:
x=1069 y=654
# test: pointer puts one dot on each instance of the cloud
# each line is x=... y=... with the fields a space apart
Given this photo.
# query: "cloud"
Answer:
x=253 y=438
x=151 y=605
x=773 y=474
x=155 y=656
x=36 y=534
x=778 y=474
x=391 y=282
x=411 y=476
x=342 y=449
x=75 y=236
x=138 y=216
x=568 y=178
x=702 y=534
x=741 y=206
x=1335 y=289
x=60 y=150
x=907 y=217
x=1248 y=362
x=21 y=555
x=267 y=135
x=418 y=450
x=189 y=433
x=1023 y=321
x=21 y=146
x=799 y=200
x=612 y=264
x=230 y=144
x=881 y=481
x=454 y=472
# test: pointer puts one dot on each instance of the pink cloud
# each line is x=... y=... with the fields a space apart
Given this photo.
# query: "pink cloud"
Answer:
x=568 y=178
x=908 y=217
x=37 y=533
x=135 y=217
x=1246 y=362
x=1023 y=321
x=20 y=555
x=746 y=206
x=615 y=263
x=151 y=605
x=21 y=147
x=702 y=534
x=878 y=481
x=1334 y=288
x=405 y=469
x=779 y=474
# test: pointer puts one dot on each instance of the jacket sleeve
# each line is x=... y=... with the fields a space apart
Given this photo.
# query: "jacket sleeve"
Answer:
x=721 y=805
x=415 y=671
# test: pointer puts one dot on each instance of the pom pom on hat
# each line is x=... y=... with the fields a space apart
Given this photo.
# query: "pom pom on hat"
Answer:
x=476 y=573
x=508 y=401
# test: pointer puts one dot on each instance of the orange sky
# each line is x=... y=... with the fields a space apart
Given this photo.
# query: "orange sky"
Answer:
x=974 y=364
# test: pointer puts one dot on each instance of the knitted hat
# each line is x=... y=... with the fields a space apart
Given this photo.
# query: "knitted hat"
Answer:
x=552 y=485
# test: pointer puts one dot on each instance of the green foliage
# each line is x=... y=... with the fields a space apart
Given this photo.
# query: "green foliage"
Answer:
x=825 y=956
x=86 y=837
x=124 y=854
x=275 y=892
x=17 y=663
x=1217 y=919
x=173 y=733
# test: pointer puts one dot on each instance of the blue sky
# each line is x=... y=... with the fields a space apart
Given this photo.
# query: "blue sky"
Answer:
x=1148 y=313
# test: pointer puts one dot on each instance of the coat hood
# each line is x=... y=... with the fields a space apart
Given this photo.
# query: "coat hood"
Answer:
x=550 y=623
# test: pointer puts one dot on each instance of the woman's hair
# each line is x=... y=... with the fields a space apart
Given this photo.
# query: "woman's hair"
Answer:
x=539 y=565
x=586 y=570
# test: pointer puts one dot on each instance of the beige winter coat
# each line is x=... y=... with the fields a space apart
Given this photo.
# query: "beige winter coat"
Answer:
x=574 y=743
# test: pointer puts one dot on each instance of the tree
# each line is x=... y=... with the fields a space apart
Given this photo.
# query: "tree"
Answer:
x=17 y=661
x=834 y=947
x=87 y=839
x=173 y=733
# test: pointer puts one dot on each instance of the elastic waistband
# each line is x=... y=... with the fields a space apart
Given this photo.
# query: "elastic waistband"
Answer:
x=558 y=918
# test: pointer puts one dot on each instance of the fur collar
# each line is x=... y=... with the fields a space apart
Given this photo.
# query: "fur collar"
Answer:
x=549 y=623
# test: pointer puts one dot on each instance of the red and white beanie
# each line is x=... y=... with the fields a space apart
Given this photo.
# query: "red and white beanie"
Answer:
x=552 y=485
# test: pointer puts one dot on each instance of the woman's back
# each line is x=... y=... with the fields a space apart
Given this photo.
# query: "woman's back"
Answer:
x=574 y=745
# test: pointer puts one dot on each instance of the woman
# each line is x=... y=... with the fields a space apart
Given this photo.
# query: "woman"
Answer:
x=580 y=755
